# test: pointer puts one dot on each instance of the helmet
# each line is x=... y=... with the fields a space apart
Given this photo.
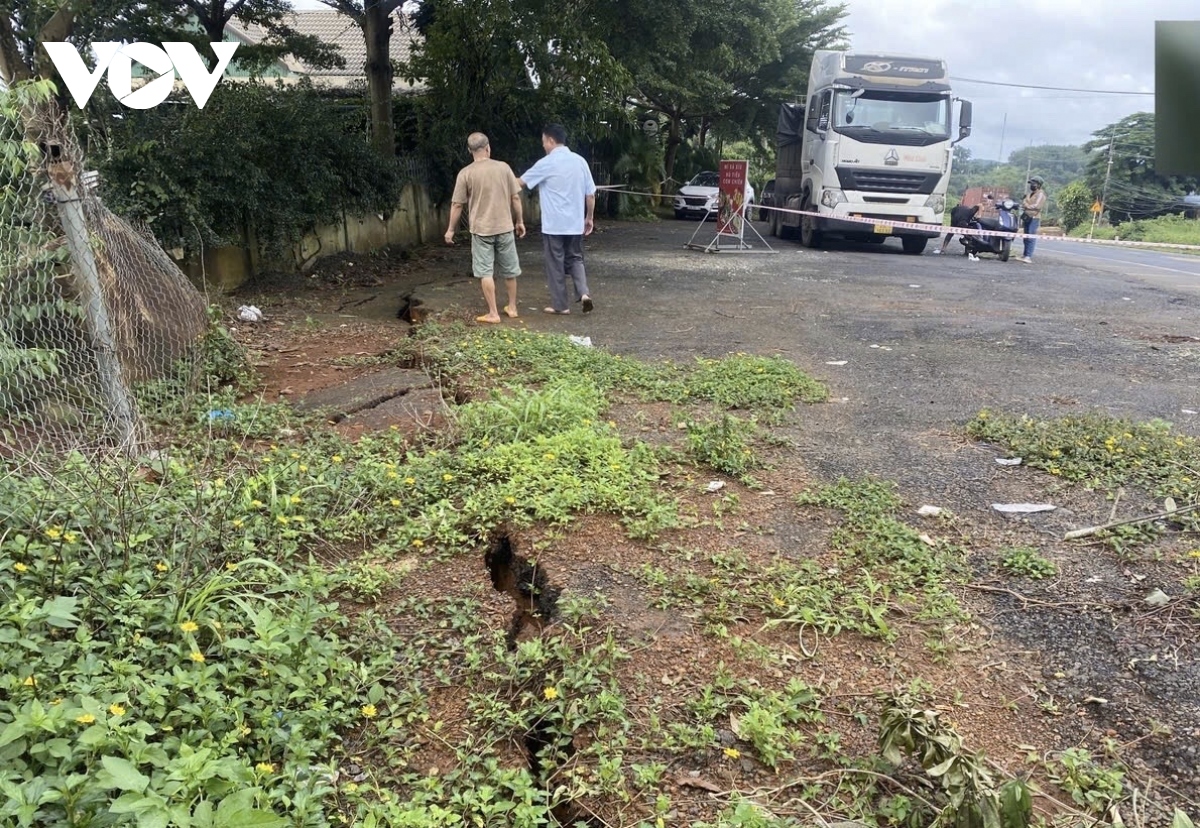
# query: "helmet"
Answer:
x=1037 y=179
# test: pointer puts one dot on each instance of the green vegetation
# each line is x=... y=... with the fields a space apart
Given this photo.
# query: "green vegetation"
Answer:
x=1162 y=230
x=1026 y=562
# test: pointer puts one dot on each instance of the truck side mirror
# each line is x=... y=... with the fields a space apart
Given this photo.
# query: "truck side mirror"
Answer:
x=823 y=123
x=964 y=121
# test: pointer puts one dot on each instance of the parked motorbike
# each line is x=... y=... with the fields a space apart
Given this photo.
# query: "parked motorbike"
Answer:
x=1006 y=221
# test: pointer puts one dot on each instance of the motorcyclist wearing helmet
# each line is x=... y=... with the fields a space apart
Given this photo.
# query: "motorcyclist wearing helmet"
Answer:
x=1032 y=206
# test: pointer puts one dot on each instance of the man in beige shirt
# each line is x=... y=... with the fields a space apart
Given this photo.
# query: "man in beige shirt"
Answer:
x=490 y=192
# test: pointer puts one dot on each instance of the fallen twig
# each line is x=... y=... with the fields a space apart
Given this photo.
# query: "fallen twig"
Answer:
x=1027 y=600
x=1092 y=530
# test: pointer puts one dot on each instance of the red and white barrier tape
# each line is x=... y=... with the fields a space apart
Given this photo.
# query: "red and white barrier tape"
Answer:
x=936 y=228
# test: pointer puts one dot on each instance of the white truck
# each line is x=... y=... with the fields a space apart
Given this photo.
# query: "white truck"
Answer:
x=872 y=140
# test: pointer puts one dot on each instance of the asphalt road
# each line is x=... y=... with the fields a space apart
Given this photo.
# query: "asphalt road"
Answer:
x=1176 y=269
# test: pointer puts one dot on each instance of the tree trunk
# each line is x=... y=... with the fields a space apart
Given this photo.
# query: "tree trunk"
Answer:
x=12 y=66
x=673 y=142
x=377 y=29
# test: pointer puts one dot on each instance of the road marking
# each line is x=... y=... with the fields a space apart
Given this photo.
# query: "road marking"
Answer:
x=1127 y=262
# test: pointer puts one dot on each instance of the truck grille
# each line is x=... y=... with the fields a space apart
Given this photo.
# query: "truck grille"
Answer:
x=887 y=181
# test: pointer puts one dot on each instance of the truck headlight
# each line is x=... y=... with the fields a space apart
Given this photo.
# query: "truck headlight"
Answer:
x=832 y=198
x=936 y=203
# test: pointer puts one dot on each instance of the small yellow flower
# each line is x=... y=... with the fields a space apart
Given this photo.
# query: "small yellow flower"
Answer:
x=337 y=458
x=54 y=533
x=231 y=566
x=549 y=455
x=30 y=681
x=491 y=370
x=56 y=703
x=447 y=477
x=189 y=626
x=395 y=501
x=282 y=520
x=410 y=481
x=86 y=718
x=20 y=567
x=733 y=753
x=510 y=500
x=551 y=693
x=116 y=710
x=197 y=657
x=245 y=731
x=161 y=567
x=779 y=602
x=295 y=499
x=303 y=468
x=239 y=523
x=264 y=767
x=69 y=537
x=216 y=625
x=257 y=504
x=353 y=786
x=392 y=475
x=418 y=542
x=369 y=711
x=166 y=728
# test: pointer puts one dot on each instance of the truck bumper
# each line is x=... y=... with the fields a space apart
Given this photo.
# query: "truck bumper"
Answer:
x=834 y=224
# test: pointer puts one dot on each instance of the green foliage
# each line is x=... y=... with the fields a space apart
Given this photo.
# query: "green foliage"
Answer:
x=152 y=671
x=766 y=385
x=209 y=176
x=1074 y=205
x=973 y=799
x=1099 y=451
x=1090 y=785
x=723 y=444
x=1058 y=164
x=1173 y=229
x=1134 y=189
x=1025 y=561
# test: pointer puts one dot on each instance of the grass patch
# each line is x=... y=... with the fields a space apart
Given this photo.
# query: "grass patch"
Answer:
x=1025 y=561
x=1101 y=453
x=1160 y=230
x=767 y=385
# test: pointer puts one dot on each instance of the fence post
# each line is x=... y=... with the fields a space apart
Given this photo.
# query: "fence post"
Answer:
x=68 y=198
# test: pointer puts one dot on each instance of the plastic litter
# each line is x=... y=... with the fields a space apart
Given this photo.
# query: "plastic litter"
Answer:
x=715 y=486
x=250 y=313
x=1023 y=508
x=839 y=362
x=929 y=511
x=585 y=341
x=1013 y=461
x=1158 y=598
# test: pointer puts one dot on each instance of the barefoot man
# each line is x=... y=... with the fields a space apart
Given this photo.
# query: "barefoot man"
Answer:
x=492 y=196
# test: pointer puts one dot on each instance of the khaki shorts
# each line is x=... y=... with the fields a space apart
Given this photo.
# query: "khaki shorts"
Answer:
x=492 y=253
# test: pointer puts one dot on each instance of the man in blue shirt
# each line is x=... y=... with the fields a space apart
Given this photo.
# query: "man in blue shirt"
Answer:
x=568 y=200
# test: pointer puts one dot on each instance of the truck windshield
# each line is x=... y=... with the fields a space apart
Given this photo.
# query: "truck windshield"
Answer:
x=882 y=112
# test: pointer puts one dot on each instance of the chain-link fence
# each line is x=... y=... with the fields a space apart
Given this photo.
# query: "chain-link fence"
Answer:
x=91 y=309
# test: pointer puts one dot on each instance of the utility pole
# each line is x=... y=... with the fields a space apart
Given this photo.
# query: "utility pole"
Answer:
x=1003 y=129
x=1107 y=174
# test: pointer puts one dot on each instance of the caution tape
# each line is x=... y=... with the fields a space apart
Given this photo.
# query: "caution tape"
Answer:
x=933 y=228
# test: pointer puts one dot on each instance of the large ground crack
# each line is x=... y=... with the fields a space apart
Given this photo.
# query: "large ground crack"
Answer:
x=536 y=604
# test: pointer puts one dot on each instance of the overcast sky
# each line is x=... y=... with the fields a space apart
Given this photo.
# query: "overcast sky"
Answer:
x=1085 y=44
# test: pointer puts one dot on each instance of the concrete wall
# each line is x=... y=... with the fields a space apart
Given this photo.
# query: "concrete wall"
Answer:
x=414 y=221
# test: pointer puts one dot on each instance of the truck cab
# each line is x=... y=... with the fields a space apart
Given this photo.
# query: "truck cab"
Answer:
x=873 y=141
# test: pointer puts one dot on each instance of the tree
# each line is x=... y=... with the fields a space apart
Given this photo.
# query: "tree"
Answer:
x=1074 y=204
x=698 y=62
x=375 y=18
x=1134 y=189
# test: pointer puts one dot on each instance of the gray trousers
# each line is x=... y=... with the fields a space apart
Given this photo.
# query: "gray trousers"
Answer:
x=564 y=257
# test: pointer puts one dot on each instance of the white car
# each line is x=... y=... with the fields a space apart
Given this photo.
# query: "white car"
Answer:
x=699 y=196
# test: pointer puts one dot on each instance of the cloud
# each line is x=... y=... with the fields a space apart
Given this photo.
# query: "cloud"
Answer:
x=1087 y=44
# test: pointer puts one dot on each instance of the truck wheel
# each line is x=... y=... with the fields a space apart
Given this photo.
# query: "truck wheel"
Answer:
x=772 y=223
x=914 y=245
x=679 y=214
x=810 y=236
x=1005 y=249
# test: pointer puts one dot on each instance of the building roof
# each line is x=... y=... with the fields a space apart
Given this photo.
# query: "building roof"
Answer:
x=339 y=30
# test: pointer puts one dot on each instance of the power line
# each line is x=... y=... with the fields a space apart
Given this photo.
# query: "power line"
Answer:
x=1050 y=88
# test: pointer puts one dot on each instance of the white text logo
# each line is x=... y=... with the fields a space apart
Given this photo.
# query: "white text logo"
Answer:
x=117 y=59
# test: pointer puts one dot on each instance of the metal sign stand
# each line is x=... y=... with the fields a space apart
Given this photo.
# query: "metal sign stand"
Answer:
x=740 y=244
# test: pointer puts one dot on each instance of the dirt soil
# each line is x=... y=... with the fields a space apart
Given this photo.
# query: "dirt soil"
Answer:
x=912 y=347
